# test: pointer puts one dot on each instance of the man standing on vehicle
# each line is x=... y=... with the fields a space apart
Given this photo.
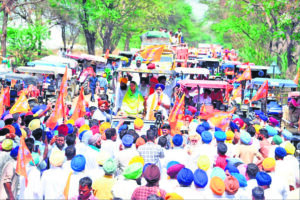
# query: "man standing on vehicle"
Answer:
x=92 y=85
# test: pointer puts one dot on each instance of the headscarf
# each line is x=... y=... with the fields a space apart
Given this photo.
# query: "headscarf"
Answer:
x=133 y=103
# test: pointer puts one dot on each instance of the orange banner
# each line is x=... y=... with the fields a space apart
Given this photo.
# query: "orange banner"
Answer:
x=152 y=53
x=21 y=105
x=80 y=106
x=222 y=119
x=6 y=100
x=262 y=91
x=24 y=157
x=237 y=92
x=13 y=83
x=2 y=107
x=246 y=75
x=176 y=114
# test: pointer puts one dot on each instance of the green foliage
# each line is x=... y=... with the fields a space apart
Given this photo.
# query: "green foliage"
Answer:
x=284 y=63
x=24 y=42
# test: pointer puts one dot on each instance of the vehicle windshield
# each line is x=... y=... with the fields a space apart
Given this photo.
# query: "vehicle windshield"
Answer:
x=165 y=59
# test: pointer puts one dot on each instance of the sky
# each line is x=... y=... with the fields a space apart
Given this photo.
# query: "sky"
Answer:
x=199 y=9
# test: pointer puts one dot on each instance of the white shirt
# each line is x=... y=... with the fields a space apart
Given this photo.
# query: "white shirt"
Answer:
x=169 y=185
x=119 y=97
x=165 y=100
x=74 y=183
x=110 y=147
x=144 y=90
x=123 y=188
x=176 y=154
x=53 y=183
x=169 y=87
x=67 y=166
x=202 y=100
x=100 y=116
x=123 y=157
x=293 y=170
x=33 y=189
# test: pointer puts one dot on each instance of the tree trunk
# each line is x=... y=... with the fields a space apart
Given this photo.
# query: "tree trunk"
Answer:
x=128 y=37
x=63 y=33
x=4 y=34
x=90 y=41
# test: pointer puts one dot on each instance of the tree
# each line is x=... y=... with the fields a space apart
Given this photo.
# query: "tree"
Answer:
x=8 y=6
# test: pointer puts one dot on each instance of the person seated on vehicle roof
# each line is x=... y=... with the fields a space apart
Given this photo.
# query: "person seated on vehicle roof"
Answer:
x=144 y=87
x=158 y=102
x=168 y=86
x=133 y=101
x=204 y=98
x=120 y=93
x=100 y=114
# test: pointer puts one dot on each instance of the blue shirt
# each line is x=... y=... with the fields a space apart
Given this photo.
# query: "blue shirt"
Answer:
x=93 y=81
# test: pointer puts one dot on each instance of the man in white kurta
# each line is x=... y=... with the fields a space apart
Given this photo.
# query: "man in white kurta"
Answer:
x=158 y=101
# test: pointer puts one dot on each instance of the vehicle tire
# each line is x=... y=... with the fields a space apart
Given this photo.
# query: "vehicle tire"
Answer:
x=85 y=87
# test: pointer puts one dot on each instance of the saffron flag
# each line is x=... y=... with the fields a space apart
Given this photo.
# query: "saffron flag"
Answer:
x=24 y=157
x=13 y=83
x=237 y=92
x=80 y=106
x=203 y=109
x=58 y=113
x=21 y=105
x=227 y=92
x=296 y=79
x=177 y=114
x=152 y=53
x=262 y=91
x=64 y=85
x=246 y=75
x=6 y=94
x=222 y=119
x=2 y=107
x=106 y=54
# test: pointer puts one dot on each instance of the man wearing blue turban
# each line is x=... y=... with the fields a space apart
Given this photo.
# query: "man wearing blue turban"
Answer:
x=158 y=101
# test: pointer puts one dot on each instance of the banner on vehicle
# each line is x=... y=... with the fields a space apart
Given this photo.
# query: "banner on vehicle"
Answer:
x=152 y=53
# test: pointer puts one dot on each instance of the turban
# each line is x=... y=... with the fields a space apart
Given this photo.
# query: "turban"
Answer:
x=287 y=134
x=103 y=127
x=269 y=164
x=200 y=178
x=159 y=85
x=233 y=126
x=127 y=140
x=263 y=179
x=192 y=109
x=110 y=166
x=78 y=163
x=8 y=116
x=280 y=152
x=188 y=113
x=240 y=121
x=231 y=168
x=152 y=174
x=200 y=129
x=137 y=159
x=86 y=136
x=95 y=129
x=258 y=193
x=153 y=80
x=123 y=127
x=173 y=196
x=100 y=102
x=221 y=162
x=273 y=121
x=257 y=128
x=102 y=157
x=220 y=136
x=139 y=142
x=10 y=128
x=217 y=186
x=241 y=179
x=246 y=138
x=258 y=112
x=271 y=131
x=174 y=170
x=34 y=124
x=63 y=129
x=171 y=163
x=57 y=158
x=263 y=117
x=290 y=148
x=177 y=140
x=123 y=80
x=79 y=122
x=17 y=129
x=242 y=169
x=219 y=172
x=2 y=124
x=14 y=152
x=222 y=148
x=71 y=121
x=138 y=123
x=277 y=139
x=133 y=171
x=231 y=185
x=206 y=125
x=93 y=139
x=4 y=131
x=7 y=144
x=70 y=128
x=203 y=162
x=229 y=136
x=206 y=137
x=185 y=177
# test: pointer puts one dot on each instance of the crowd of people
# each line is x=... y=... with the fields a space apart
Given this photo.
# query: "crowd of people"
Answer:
x=87 y=158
